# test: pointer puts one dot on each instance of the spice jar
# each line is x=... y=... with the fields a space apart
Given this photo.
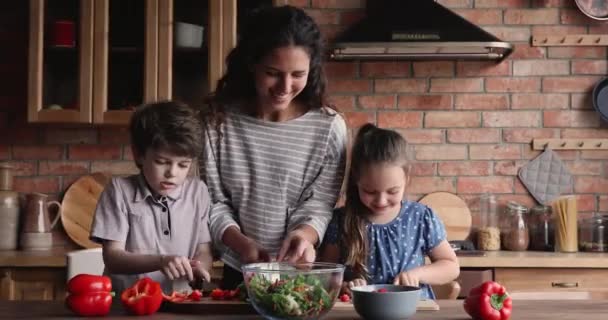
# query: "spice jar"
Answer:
x=542 y=230
x=593 y=234
x=515 y=235
x=488 y=233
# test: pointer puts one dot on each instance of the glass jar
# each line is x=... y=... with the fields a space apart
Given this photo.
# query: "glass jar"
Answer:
x=514 y=234
x=593 y=234
x=542 y=230
x=488 y=233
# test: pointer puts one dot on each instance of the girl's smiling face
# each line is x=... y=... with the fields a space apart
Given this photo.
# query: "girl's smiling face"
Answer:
x=279 y=78
x=381 y=189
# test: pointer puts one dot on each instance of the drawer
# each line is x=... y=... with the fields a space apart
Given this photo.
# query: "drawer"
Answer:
x=551 y=279
x=471 y=278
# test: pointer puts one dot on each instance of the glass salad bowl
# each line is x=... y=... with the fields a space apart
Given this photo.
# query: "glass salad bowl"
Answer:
x=279 y=290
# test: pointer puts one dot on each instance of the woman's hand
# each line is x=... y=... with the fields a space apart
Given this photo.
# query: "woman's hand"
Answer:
x=407 y=278
x=296 y=248
x=250 y=252
x=199 y=271
x=175 y=267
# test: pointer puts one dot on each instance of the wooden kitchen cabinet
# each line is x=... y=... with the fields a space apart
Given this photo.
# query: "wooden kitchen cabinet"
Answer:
x=39 y=283
x=552 y=279
x=124 y=55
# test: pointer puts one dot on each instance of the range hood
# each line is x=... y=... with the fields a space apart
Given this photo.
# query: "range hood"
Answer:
x=417 y=30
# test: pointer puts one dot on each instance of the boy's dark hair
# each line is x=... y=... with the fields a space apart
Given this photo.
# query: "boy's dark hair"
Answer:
x=167 y=125
x=372 y=146
x=266 y=29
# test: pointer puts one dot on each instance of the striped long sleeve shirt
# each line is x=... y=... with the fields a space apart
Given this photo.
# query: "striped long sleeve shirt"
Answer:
x=267 y=178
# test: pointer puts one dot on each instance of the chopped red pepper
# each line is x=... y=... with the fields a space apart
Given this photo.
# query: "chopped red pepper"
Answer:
x=143 y=298
x=345 y=298
x=217 y=294
x=489 y=301
x=195 y=295
x=89 y=295
x=175 y=296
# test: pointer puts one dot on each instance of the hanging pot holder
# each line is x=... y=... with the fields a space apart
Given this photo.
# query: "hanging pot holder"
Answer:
x=546 y=177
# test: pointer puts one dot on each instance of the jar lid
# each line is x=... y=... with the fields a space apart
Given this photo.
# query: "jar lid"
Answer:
x=540 y=209
x=516 y=207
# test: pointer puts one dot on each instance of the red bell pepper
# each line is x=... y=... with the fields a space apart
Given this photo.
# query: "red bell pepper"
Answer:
x=489 y=301
x=143 y=298
x=89 y=295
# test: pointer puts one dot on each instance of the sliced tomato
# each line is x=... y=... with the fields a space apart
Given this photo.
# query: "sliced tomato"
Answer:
x=345 y=298
x=217 y=294
x=381 y=290
x=195 y=295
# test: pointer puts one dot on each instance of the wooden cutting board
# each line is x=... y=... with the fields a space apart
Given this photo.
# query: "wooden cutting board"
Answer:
x=453 y=211
x=207 y=305
x=78 y=207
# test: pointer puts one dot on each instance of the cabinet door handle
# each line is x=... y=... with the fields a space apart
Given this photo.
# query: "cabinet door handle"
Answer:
x=564 y=284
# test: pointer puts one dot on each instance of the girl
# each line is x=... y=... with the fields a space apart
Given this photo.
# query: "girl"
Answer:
x=275 y=152
x=384 y=239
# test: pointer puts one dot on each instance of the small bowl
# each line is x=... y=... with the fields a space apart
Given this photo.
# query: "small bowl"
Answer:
x=397 y=302
x=280 y=290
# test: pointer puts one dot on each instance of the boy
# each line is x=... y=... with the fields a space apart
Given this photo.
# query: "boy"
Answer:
x=155 y=223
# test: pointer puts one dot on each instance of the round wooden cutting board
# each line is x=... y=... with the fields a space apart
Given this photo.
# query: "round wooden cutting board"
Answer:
x=453 y=211
x=78 y=207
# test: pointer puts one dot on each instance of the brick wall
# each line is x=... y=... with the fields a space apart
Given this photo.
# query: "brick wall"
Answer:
x=470 y=123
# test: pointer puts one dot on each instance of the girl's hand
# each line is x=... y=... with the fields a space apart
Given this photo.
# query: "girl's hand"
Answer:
x=199 y=271
x=348 y=285
x=175 y=267
x=407 y=278
x=251 y=253
x=296 y=248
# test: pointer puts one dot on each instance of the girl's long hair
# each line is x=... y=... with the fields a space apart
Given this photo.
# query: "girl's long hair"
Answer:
x=372 y=145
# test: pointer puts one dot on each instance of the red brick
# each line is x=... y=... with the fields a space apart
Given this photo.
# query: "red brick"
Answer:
x=483 y=68
x=357 y=119
x=114 y=135
x=551 y=30
x=594 y=155
x=4 y=152
x=511 y=119
x=349 y=18
x=377 y=102
x=386 y=69
x=531 y=16
x=581 y=101
x=114 y=167
x=553 y=4
x=70 y=136
x=474 y=135
x=342 y=69
x=587 y=168
x=422 y=185
x=584 y=184
x=343 y=103
x=423 y=169
x=324 y=16
x=508 y=167
x=330 y=31
x=569 y=84
x=457 y=85
x=127 y=153
x=576 y=53
x=521 y=135
x=401 y=119
x=585 y=202
x=481 y=16
x=573 y=16
x=456 y=3
x=603 y=207
x=584 y=133
x=590 y=67
x=524 y=51
x=540 y=101
x=516 y=85
x=63 y=167
x=519 y=187
x=540 y=68
x=510 y=33
x=338 y=4
x=433 y=69
x=571 y=119
x=349 y=86
x=525 y=200
x=37 y=184
x=37 y=152
x=94 y=152
x=422 y=135
x=441 y=152
x=425 y=102
x=452 y=119
x=484 y=184
x=23 y=135
x=494 y=152
x=24 y=168
x=464 y=168
x=482 y=101
x=401 y=85
x=298 y=3
x=502 y=3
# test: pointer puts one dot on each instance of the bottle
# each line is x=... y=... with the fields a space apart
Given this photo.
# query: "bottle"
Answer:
x=488 y=233
x=515 y=234
x=592 y=233
x=542 y=230
x=9 y=209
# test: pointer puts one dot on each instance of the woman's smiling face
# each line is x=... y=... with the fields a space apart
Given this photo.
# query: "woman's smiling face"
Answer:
x=279 y=78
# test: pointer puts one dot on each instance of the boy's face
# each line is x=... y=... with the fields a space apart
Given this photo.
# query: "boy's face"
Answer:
x=381 y=188
x=164 y=171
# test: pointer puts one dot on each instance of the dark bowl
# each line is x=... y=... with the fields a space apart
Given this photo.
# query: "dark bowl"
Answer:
x=397 y=302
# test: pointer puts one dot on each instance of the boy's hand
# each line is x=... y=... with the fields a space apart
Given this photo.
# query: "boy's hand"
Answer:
x=251 y=252
x=175 y=267
x=407 y=278
x=296 y=248
x=199 y=271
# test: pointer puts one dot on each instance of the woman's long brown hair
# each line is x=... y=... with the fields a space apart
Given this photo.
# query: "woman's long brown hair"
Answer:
x=372 y=145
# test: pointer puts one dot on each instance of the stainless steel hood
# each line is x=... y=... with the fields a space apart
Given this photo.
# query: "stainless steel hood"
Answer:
x=416 y=30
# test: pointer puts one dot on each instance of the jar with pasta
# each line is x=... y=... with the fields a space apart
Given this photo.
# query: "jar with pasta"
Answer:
x=488 y=233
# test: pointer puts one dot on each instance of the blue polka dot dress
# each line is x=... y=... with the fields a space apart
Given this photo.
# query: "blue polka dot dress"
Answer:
x=399 y=245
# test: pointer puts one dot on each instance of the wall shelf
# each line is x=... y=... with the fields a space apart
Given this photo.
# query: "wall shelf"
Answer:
x=597 y=40
x=570 y=144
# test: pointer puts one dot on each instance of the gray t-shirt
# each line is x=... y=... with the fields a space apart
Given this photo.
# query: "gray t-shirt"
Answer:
x=173 y=225
x=267 y=178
